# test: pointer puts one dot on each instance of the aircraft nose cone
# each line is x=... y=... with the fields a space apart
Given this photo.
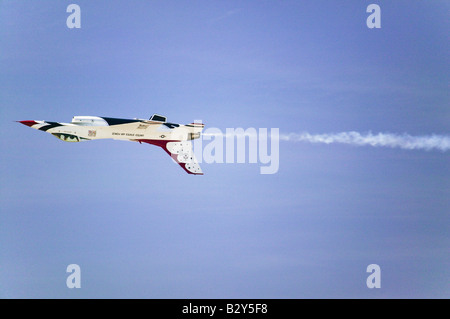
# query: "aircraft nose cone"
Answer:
x=28 y=123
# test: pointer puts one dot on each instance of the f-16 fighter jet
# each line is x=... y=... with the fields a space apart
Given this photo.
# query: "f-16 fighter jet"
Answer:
x=173 y=138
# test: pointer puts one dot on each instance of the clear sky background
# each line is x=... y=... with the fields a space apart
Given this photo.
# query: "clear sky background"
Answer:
x=139 y=227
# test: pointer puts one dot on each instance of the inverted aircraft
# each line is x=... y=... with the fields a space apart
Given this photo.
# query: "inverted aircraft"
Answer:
x=173 y=138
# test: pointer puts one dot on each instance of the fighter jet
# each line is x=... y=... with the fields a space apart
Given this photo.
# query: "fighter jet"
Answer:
x=173 y=138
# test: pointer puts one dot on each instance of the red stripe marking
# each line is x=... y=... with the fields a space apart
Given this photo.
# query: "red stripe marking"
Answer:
x=28 y=123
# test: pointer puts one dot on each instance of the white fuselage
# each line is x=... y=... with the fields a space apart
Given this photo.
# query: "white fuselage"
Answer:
x=173 y=138
x=91 y=128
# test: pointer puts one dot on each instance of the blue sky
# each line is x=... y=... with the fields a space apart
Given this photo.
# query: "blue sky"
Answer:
x=139 y=227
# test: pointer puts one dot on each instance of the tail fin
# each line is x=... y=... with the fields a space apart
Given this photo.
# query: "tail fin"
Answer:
x=181 y=152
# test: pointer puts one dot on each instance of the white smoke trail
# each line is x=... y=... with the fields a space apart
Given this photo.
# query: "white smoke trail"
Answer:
x=404 y=141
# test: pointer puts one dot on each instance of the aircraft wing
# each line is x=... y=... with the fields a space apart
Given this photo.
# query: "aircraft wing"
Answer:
x=181 y=152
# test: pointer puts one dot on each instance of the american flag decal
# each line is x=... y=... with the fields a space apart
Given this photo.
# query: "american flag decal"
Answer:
x=92 y=133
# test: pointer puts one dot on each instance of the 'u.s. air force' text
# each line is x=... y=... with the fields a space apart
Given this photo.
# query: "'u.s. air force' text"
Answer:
x=127 y=134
